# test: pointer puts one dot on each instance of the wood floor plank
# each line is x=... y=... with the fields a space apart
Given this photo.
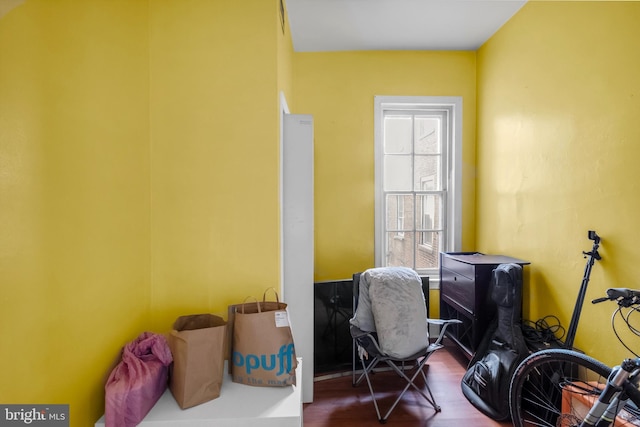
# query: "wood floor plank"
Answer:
x=338 y=404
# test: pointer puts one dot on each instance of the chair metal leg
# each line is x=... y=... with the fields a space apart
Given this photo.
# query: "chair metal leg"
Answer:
x=418 y=370
x=366 y=369
x=432 y=400
x=365 y=373
x=411 y=383
x=401 y=367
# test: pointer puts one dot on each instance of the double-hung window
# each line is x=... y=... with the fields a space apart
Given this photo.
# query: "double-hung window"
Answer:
x=417 y=179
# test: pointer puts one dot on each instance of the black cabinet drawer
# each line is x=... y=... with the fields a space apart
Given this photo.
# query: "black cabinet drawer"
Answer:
x=459 y=290
x=459 y=267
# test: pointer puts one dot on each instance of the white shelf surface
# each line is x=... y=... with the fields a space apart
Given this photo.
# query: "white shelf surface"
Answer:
x=239 y=405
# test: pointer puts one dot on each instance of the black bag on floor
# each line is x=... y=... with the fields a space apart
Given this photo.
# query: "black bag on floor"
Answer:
x=503 y=347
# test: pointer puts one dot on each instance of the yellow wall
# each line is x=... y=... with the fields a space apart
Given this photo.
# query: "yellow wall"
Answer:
x=139 y=181
x=338 y=89
x=215 y=160
x=558 y=149
x=74 y=197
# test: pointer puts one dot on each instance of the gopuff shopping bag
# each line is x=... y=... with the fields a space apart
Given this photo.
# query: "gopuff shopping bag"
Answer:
x=231 y=316
x=263 y=352
x=198 y=344
x=137 y=381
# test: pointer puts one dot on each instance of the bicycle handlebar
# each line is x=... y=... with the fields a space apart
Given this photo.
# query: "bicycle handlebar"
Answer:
x=623 y=296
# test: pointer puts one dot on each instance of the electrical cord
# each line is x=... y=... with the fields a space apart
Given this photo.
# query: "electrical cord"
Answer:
x=543 y=332
x=548 y=330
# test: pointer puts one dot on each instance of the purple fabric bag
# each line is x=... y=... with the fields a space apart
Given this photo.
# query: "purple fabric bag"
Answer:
x=137 y=381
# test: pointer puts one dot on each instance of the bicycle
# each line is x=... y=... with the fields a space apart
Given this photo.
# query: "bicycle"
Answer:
x=566 y=388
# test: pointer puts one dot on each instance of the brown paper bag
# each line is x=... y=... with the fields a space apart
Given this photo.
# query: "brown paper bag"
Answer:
x=197 y=343
x=250 y=308
x=263 y=351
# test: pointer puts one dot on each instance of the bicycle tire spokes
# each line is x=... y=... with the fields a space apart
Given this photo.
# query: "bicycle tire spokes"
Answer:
x=554 y=389
x=566 y=388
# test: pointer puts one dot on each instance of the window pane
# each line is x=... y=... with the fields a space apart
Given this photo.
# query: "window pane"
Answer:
x=427 y=252
x=416 y=214
x=397 y=173
x=429 y=212
x=399 y=212
x=400 y=249
x=427 y=173
x=427 y=135
x=397 y=135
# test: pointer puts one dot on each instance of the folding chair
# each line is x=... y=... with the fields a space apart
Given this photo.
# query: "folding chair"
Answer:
x=355 y=293
x=389 y=300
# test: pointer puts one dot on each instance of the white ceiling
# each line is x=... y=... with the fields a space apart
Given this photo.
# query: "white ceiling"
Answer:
x=338 y=25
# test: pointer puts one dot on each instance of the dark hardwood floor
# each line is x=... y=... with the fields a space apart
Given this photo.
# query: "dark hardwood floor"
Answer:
x=338 y=404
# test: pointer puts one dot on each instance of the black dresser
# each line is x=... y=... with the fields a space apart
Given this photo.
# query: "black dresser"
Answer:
x=465 y=278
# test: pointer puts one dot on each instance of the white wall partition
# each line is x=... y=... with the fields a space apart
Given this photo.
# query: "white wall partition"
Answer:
x=298 y=238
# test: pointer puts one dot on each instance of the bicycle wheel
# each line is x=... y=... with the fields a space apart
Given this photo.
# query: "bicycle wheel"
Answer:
x=556 y=388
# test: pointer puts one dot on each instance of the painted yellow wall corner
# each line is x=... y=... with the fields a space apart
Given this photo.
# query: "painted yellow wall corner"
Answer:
x=558 y=102
x=74 y=191
x=139 y=154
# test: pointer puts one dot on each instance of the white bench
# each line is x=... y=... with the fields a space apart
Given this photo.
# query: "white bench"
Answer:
x=238 y=406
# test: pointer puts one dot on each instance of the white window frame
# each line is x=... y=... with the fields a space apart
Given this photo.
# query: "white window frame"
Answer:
x=452 y=176
x=400 y=216
x=421 y=240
